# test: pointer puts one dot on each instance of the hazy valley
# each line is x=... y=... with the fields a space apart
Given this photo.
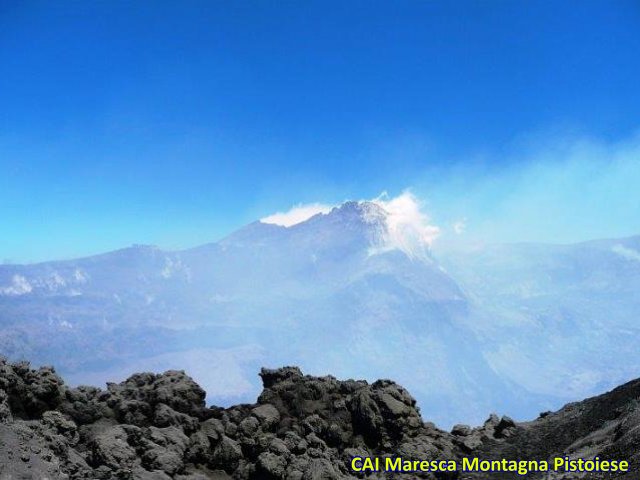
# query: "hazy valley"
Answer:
x=510 y=328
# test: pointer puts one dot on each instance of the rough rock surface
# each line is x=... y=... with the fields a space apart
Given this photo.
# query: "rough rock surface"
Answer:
x=157 y=427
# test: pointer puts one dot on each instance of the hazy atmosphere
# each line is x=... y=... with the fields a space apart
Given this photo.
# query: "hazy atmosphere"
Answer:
x=284 y=240
x=440 y=193
x=173 y=125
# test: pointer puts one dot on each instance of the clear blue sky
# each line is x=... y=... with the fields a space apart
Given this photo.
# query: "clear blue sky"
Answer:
x=173 y=123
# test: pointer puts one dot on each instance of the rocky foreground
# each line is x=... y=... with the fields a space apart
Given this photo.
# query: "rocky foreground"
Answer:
x=158 y=427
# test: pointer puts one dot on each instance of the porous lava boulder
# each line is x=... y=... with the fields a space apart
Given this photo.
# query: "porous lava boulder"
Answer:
x=157 y=427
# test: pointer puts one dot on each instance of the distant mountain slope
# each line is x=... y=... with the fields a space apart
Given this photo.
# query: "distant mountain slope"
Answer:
x=512 y=328
x=551 y=315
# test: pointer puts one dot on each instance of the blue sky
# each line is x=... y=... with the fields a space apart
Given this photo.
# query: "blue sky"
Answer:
x=173 y=123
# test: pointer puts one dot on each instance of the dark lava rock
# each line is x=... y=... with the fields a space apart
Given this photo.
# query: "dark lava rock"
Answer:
x=156 y=427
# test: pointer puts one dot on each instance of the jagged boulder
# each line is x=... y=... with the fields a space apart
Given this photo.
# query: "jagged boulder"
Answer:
x=30 y=392
x=135 y=400
x=156 y=427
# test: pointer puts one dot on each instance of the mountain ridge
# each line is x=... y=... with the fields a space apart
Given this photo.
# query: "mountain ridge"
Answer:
x=520 y=328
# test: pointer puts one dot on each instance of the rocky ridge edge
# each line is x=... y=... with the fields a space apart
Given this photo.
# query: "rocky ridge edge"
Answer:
x=157 y=427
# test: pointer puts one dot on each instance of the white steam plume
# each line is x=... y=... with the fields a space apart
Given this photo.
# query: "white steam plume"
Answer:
x=297 y=214
x=409 y=228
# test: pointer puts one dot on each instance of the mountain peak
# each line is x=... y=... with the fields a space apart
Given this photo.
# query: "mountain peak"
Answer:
x=389 y=223
x=354 y=212
x=367 y=211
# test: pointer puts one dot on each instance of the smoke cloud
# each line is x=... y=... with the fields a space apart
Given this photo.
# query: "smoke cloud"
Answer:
x=296 y=214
